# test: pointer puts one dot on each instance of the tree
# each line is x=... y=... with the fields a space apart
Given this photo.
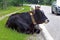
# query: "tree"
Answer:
x=4 y=4
x=17 y=2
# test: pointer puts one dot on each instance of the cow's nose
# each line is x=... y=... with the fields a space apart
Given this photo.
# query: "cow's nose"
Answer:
x=46 y=21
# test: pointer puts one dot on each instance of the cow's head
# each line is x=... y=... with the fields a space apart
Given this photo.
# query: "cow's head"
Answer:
x=39 y=16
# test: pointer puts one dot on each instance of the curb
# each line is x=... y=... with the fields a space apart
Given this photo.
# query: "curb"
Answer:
x=45 y=33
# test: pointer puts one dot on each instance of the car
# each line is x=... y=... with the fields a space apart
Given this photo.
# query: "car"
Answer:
x=56 y=7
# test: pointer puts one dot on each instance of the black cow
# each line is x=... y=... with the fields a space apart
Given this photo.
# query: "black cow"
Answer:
x=22 y=22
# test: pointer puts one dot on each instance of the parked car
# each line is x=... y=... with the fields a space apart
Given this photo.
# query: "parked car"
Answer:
x=56 y=7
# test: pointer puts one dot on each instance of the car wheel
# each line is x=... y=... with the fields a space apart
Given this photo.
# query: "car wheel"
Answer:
x=52 y=12
x=56 y=13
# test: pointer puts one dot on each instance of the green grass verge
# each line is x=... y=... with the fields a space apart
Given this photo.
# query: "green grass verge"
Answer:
x=8 y=10
x=9 y=34
x=13 y=9
x=26 y=9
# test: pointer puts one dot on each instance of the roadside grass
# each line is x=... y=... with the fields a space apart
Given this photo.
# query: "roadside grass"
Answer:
x=9 y=34
x=13 y=9
x=8 y=10
x=26 y=9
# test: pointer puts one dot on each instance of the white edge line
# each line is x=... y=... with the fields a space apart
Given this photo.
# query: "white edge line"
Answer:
x=45 y=32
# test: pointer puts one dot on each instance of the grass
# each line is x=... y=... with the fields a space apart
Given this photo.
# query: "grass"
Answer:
x=13 y=9
x=9 y=34
x=8 y=10
x=26 y=9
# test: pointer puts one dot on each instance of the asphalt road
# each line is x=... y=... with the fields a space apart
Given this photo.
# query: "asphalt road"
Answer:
x=53 y=26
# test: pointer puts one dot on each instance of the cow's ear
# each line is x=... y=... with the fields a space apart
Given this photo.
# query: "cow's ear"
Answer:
x=42 y=11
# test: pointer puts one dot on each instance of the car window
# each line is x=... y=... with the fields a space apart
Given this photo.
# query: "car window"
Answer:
x=54 y=3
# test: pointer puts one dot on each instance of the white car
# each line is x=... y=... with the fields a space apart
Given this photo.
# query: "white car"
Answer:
x=56 y=7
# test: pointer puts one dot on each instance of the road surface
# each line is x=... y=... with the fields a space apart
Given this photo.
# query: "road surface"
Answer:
x=53 y=26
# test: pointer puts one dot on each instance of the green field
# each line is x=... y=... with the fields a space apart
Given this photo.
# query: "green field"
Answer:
x=9 y=34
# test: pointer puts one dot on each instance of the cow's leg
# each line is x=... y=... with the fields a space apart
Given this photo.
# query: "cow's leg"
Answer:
x=37 y=29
